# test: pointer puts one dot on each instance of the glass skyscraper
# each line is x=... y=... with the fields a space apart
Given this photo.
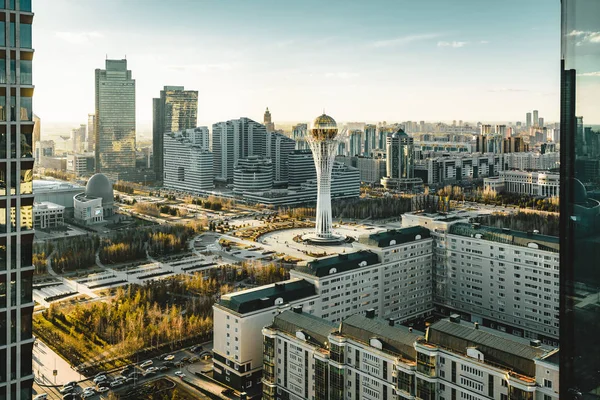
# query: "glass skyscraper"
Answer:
x=580 y=200
x=175 y=110
x=16 y=199
x=115 y=118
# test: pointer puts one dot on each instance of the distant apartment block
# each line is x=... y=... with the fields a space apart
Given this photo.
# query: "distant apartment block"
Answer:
x=188 y=163
x=543 y=184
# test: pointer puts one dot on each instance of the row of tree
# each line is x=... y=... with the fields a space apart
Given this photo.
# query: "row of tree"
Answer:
x=523 y=221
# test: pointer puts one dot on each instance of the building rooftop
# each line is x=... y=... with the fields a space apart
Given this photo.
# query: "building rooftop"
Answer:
x=510 y=351
x=315 y=329
x=46 y=205
x=339 y=263
x=267 y=296
x=48 y=185
x=396 y=339
x=395 y=237
x=507 y=236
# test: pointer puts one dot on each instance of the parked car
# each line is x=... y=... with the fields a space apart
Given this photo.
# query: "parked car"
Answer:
x=179 y=374
x=41 y=396
x=99 y=379
x=152 y=369
x=194 y=359
x=169 y=364
x=67 y=389
x=103 y=389
x=71 y=396
x=72 y=383
x=169 y=357
x=146 y=364
x=163 y=368
x=105 y=383
x=117 y=383
x=185 y=359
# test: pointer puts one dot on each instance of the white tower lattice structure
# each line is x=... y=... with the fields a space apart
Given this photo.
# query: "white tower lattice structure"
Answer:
x=323 y=143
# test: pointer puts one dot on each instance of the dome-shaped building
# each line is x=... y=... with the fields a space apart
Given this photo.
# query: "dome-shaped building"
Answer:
x=96 y=203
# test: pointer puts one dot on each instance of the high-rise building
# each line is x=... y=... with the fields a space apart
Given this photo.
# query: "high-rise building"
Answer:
x=16 y=172
x=301 y=167
x=299 y=135
x=579 y=202
x=235 y=139
x=269 y=125
x=541 y=122
x=501 y=130
x=536 y=118
x=115 y=118
x=400 y=159
x=278 y=149
x=252 y=174
x=323 y=143
x=78 y=139
x=370 y=139
x=528 y=120
x=175 y=110
x=355 y=145
x=91 y=133
x=188 y=163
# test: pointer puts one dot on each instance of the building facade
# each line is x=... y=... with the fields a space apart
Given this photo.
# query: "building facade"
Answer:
x=48 y=215
x=299 y=135
x=365 y=357
x=175 y=110
x=539 y=184
x=188 y=163
x=443 y=170
x=115 y=118
x=16 y=269
x=252 y=174
x=301 y=167
x=278 y=150
x=81 y=164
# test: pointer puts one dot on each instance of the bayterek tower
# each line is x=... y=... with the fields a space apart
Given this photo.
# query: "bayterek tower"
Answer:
x=323 y=143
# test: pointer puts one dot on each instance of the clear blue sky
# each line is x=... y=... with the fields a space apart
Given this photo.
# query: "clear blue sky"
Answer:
x=477 y=60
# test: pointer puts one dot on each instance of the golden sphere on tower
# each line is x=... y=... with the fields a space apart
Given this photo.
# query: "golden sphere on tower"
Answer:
x=324 y=128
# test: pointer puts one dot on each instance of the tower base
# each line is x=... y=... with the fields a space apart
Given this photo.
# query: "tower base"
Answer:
x=333 y=240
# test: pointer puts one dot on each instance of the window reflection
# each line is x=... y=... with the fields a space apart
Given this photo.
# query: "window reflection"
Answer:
x=2 y=34
x=26 y=287
x=27 y=250
x=26 y=74
x=25 y=35
x=26 y=145
x=25 y=5
x=26 y=217
x=2 y=256
x=2 y=108
x=2 y=291
x=26 y=178
x=13 y=72
x=3 y=179
x=12 y=35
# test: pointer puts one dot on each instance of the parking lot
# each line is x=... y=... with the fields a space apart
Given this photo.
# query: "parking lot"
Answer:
x=115 y=380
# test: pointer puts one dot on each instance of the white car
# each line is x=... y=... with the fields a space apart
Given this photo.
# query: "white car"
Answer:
x=103 y=389
x=169 y=357
x=88 y=394
x=152 y=369
x=146 y=364
x=99 y=379
x=41 y=396
x=179 y=374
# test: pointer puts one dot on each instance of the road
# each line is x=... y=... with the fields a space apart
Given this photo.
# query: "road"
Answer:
x=54 y=392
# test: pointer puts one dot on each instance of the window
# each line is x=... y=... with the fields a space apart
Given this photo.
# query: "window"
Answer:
x=548 y=383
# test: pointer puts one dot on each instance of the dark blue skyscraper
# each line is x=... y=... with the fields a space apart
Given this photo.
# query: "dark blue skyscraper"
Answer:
x=580 y=201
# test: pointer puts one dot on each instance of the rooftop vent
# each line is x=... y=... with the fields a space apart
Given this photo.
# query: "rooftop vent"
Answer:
x=370 y=313
x=535 y=343
x=410 y=329
x=476 y=325
x=391 y=321
x=297 y=309
x=455 y=318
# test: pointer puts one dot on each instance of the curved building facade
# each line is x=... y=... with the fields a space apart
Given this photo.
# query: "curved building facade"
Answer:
x=96 y=203
x=253 y=174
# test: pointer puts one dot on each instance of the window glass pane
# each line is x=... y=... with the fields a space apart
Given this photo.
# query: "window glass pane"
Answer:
x=26 y=287
x=25 y=35
x=26 y=181
x=12 y=35
x=2 y=109
x=2 y=33
x=26 y=76
x=11 y=5
x=25 y=5
x=26 y=109
x=13 y=72
x=26 y=148
x=2 y=259
x=2 y=291
x=2 y=71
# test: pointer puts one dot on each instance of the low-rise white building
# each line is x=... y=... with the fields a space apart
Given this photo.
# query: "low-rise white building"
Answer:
x=47 y=215
x=545 y=184
x=188 y=163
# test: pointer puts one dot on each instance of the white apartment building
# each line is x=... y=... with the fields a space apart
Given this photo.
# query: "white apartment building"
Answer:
x=545 y=184
x=531 y=161
x=391 y=276
x=81 y=164
x=47 y=215
x=188 y=164
x=500 y=278
x=365 y=357
x=504 y=279
x=473 y=166
x=238 y=320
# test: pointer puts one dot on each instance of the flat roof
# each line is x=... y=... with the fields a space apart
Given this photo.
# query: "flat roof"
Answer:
x=397 y=339
x=504 y=235
x=267 y=296
x=339 y=263
x=314 y=328
x=395 y=237
x=505 y=349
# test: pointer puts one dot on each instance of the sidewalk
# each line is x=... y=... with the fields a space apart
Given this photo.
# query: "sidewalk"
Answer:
x=45 y=360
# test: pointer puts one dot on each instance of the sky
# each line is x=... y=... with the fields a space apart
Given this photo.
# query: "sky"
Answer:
x=375 y=60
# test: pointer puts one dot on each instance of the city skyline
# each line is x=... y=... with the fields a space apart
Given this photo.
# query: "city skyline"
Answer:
x=360 y=65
